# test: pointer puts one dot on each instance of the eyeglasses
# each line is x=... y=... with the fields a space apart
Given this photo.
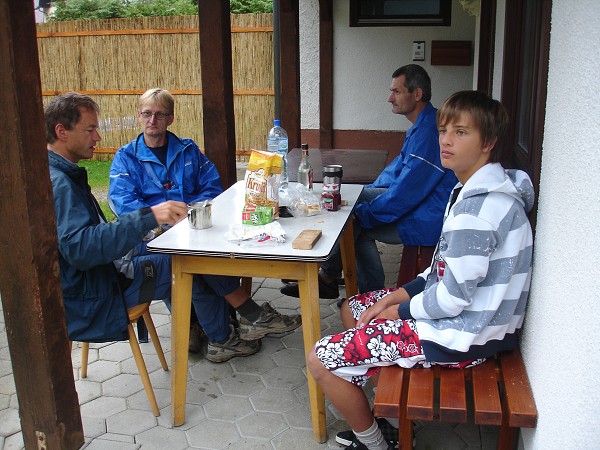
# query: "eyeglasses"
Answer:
x=159 y=115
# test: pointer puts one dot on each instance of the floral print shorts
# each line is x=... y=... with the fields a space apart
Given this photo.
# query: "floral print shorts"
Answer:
x=358 y=353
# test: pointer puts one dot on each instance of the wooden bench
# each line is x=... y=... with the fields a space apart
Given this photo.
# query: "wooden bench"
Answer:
x=496 y=392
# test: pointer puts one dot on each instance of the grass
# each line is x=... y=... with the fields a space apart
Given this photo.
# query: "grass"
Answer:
x=98 y=181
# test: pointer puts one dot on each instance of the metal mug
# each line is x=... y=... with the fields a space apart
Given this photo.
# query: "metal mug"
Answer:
x=332 y=175
x=199 y=215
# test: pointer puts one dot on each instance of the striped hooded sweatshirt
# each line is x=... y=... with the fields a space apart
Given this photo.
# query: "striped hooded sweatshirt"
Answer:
x=471 y=300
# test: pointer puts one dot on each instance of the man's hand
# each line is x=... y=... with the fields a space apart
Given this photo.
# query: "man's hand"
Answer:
x=169 y=212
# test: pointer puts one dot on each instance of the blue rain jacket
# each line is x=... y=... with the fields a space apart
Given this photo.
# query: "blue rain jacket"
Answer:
x=94 y=306
x=138 y=179
x=418 y=187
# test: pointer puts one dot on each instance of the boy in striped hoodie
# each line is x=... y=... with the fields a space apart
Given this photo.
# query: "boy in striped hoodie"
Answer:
x=470 y=303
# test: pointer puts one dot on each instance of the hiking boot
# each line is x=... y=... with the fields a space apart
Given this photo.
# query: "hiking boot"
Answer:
x=232 y=347
x=269 y=322
x=196 y=336
x=327 y=288
x=390 y=433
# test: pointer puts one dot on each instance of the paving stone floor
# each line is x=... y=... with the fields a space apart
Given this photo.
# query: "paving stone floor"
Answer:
x=259 y=402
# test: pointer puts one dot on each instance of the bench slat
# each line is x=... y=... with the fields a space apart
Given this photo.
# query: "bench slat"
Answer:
x=389 y=391
x=419 y=405
x=453 y=398
x=519 y=399
x=486 y=398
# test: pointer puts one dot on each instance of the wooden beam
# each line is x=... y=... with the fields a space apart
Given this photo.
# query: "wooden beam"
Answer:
x=217 y=87
x=289 y=58
x=326 y=73
x=50 y=34
x=29 y=279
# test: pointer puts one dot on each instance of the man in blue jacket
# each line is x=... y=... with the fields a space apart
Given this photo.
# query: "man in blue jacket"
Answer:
x=405 y=204
x=158 y=166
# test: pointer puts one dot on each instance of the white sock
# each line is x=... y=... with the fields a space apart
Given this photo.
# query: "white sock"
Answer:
x=372 y=437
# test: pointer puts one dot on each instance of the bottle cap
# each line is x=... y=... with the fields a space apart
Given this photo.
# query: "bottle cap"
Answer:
x=276 y=122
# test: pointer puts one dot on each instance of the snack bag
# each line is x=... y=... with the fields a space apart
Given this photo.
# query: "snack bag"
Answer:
x=262 y=184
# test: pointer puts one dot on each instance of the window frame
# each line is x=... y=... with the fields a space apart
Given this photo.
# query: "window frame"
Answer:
x=444 y=18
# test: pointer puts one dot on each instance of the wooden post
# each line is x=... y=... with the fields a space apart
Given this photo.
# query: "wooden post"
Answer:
x=217 y=87
x=325 y=73
x=289 y=60
x=29 y=279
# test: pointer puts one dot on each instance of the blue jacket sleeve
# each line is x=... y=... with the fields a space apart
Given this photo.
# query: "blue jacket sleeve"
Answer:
x=83 y=240
x=207 y=182
x=420 y=174
x=125 y=190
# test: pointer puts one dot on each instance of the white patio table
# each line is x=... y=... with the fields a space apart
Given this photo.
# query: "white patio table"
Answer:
x=208 y=252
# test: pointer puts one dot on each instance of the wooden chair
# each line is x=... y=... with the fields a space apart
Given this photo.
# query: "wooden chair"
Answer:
x=135 y=313
x=415 y=259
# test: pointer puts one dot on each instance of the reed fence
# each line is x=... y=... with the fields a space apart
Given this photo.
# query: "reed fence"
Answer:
x=115 y=61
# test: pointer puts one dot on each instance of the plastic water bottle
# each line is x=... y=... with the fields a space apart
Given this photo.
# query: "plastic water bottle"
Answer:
x=277 y=141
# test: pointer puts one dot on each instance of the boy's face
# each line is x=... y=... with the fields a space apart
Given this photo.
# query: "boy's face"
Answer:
x=461 y=147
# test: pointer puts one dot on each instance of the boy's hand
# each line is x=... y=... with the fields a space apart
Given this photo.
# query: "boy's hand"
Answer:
x=386 y=308
x=169 y=212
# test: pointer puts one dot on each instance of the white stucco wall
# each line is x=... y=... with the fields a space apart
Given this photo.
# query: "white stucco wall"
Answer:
x=562 y=329
x=364 y=60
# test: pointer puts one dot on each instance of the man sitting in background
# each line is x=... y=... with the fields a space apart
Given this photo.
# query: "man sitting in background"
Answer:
x=158 y=166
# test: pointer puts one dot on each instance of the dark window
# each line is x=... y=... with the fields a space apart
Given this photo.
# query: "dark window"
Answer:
x=368 y=13
x=524 y=81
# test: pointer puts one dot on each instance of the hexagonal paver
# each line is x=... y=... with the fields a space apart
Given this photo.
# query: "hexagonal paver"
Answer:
x=270 y=345
x=4 y=401
x=159 y=438
x=103 y=370
x=262 y=425
x=7 y=385
x=228 y=407
x=203 y=435
x=122 y=385
x=118 y=351
x=284 y=377
x=297 y=439
x=256 y=364
x=87 y=390
x=201 y=392
x=14 y=442
x=289 y=357
x=103 y=407
x=105 y=444
x=130 y=422
x=93 y=426
x=205 y=370
x=139 y=400
x=274 y=400
x=241 y=384
x=10 y=422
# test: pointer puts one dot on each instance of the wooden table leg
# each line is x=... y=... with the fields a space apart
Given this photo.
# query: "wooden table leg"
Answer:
x=311 y=328
x=181 y=300
x=349 y=259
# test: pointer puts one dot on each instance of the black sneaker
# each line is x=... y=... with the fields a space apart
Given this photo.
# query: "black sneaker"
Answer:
x=328 y=290
x=356 y=445
x=232 y=347
x=390 y=433
x=196 y=337
x=269 y=322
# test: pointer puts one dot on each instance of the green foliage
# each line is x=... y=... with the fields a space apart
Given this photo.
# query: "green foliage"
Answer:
x=98 y=181
x=112 y=9
x=251 y=6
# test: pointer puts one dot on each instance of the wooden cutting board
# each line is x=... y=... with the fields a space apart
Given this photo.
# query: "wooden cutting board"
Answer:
x=306 y=239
